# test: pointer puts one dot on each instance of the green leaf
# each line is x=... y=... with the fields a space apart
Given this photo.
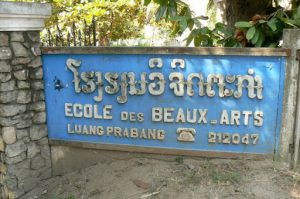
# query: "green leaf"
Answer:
x=225 y=30
x=260 y=40
x=262 y=21
x=176 y=29
x=255 y=37
x=176 y=18
x=146 y=2
x=219 y=26
x=183 y=24
x=160 y=12
x=272 y=25
x=273 y=45
x=231 y=43
x=205 y=30
x=161 y=2
x=291 y=23
x=172 y=11
x=297 y=11
x=243 y=24
x=190 y=24
x=237 y=45
x=197 y=23
x=197 y=41
x=190 y=38
x=250 y=33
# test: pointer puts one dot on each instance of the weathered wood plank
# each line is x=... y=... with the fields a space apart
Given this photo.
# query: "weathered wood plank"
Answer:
x=168 y=50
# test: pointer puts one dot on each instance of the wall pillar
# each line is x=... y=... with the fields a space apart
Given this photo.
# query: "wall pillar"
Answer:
x=24 y=149
x=291 y=39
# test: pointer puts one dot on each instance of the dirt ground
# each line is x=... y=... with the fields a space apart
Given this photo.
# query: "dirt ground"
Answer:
x=182 y=178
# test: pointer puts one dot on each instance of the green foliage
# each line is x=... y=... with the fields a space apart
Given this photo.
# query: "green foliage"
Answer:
x=125 y=19
x=224 y=36
x=120 y=19
x=266 y=31
x=243 y=24
x=181 y=17
x=261 y=31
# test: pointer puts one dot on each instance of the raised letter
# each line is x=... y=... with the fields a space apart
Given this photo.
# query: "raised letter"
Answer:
x=155 y=62
x=177 y=83
x=156 y=88
x=73 y=65
x=123 y=98
x=258 y=118
x=88 y=110
x=77 y=110
x=235 y=117
x=68 y=111
x=179 y=62
x=160 y=134
x=246 y=116
x=88 y=78
x=211 y=79
x=180 y=116
x=70 y=130
x=99 y=84
x=190 y=84
x=112 y=79
x=168 y=114
x=194 y=116
x=134 y=133
x=132 y=84
x=224 y=118
x=202 y=116
x=124 y=115
x=156 y=114
x=106 y=112
x=96 y=114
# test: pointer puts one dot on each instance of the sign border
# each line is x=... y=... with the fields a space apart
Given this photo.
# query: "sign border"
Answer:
x=261 y=52
x=283 y=52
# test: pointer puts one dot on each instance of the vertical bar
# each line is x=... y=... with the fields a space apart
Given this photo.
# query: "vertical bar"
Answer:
x=89 y=35
x=74 y=33
x=49 y=37
x=85 y=41
x=68 y=39
x=56 y=40
x=94 y=31
x=79 y=37
x=59 y=35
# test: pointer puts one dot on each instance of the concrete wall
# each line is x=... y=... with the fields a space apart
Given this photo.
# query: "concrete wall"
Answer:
x=67 y=159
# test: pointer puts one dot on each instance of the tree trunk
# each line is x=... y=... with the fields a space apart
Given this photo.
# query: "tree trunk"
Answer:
x=295 y=4
x=231 y=11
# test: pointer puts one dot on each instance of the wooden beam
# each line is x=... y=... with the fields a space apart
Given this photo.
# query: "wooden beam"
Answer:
x=169 y=50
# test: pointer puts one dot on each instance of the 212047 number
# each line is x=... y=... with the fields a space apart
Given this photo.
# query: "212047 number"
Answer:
x=232 y=138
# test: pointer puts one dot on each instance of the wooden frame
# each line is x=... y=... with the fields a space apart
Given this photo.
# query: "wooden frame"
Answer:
x=169 y=50
x=268 y=52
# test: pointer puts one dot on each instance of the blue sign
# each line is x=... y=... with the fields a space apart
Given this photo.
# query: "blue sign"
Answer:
x=199 y=103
